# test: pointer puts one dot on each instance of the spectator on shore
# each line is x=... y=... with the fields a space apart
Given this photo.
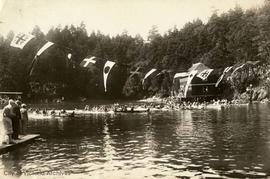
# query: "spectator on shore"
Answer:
x=7 y=122
x=250 y=92
x=24 y=119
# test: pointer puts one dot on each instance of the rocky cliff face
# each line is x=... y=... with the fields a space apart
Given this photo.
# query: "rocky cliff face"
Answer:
x=258 y=76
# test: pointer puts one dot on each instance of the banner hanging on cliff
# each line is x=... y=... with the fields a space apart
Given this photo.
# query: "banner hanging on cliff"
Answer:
x=87 y=62
x=43 y=48
x=204 y=74
x=40 y=51
x=190 y=77
x=20 y=40
x=226 y=70
x=106 y=70
x=238 y=68
x=148 y=74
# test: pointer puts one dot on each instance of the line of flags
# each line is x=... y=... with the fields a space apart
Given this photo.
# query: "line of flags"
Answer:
x=88 y=61
x=20 y=40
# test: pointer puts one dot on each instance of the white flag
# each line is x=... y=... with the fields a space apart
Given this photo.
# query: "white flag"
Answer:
x=69 y=55
x=236 y=69
x=106 y=70
x=20 y=40
x=86 y=62
x=148 y=74
x=190 y=77
x=226 y=70
x=137 y=71
x=204 y=74
x=179 y=75
x=43 y=48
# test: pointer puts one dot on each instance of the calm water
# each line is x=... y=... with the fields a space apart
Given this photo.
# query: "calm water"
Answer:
x=155 y=145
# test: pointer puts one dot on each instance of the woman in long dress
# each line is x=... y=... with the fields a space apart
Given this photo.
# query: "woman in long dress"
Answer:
x=24 y=119
x=7 y=122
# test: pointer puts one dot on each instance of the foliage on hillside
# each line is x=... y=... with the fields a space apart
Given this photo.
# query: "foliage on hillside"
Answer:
x=227 y=39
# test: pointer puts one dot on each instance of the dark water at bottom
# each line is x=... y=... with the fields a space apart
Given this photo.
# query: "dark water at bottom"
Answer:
x=155 y=145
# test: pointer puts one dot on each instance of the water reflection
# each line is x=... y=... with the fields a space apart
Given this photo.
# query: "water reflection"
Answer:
x=231 y=142
x=12 y=162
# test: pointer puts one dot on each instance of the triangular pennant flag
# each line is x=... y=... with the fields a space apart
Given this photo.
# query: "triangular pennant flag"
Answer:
x=31 y=68
x=86 y=62
x=40 y=51
x=106 y=70
x=220 y=79
x=204 y=74
x=160 y=73
x=20 y=40
x=190 y=77
x=148 y=74
x=253 y=63
x=43 y=48
x=180 y=75
x=226 y=70
x=238 y=68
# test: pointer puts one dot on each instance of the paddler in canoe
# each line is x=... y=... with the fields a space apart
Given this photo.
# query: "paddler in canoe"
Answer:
x=132 y=109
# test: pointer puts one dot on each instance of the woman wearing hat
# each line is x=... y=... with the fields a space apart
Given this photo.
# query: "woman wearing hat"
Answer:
x=8 y=126
x=24 y=119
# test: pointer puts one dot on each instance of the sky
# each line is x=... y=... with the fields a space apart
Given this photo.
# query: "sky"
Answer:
x=111 y=17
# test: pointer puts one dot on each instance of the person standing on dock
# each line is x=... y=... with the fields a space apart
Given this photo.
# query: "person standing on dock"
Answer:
x=7 y=122
x=16 y=119
x=24 y=119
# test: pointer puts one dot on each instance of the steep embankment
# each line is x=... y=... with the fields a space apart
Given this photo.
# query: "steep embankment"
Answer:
x=253 y=77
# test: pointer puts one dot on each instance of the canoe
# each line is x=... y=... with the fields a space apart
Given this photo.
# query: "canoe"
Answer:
x=48 y=116
x=69 y=113
x=85 y=112
x=132 y=110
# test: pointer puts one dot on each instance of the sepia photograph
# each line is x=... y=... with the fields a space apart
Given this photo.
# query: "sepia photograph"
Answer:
x=134 y=89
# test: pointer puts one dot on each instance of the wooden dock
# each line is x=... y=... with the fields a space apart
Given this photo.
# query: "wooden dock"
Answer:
x=4 y=148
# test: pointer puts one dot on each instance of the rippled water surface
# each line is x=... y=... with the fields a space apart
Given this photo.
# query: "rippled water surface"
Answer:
x=232 y=142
